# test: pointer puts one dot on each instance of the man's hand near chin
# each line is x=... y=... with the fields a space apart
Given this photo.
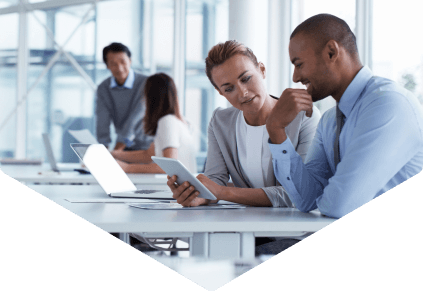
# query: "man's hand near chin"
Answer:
x=291 y=102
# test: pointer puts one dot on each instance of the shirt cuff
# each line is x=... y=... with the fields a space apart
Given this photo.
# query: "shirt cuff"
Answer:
x=283 y=151
x=120 y=138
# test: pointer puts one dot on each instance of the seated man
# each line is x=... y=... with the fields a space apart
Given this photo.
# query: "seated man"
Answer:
x=381 y=140
x=119 y=100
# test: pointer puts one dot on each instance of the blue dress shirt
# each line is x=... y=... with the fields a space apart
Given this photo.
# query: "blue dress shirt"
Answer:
x=129 y=82
x=381 y=145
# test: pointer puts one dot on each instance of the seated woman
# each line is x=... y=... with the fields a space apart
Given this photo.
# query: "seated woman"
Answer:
x=237 y=136
x=164 y=121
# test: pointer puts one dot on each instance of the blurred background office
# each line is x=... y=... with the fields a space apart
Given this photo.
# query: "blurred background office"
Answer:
x=51 y=61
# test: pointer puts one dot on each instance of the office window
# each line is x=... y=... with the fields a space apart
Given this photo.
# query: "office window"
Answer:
x=158 y=45
x=397 y=49
x=303 y=9
x=62 y=99
x=206 y=25
x=146 y=27
x=8 y=82
x=7 y=3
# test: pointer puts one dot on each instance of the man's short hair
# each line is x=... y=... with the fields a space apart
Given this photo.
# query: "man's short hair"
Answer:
x=115 y=47
x=325 y=27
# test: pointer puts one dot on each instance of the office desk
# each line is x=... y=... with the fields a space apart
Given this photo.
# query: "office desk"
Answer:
x=228 y=233
x=30 y=174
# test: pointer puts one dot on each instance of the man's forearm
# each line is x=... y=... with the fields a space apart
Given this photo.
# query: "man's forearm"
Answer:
x=143 y=168
x=247 y=196
x=119 y=146
x=140 y=156
x=276 y=135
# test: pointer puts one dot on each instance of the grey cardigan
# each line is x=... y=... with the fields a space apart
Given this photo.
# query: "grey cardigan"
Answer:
x=125 y=108
x=222 y=157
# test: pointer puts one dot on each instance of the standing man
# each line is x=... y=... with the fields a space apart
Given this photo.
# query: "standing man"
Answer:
x=369 y=143
x=119 y=99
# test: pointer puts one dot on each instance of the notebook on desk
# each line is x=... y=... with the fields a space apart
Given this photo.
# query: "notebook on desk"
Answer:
x=110 y=176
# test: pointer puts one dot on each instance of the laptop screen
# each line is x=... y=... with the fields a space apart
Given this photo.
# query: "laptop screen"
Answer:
x=103 y=167
x=49 y=152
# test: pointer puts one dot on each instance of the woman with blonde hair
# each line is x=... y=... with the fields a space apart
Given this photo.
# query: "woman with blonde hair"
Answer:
x=164 y=121
x=237 y=136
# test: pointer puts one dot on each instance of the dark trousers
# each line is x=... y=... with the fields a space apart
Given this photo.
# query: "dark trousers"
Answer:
x=267 y=246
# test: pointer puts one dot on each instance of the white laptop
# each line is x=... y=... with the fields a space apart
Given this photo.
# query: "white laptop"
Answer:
x=110 y=176
x=83 y=136
x=52 y=160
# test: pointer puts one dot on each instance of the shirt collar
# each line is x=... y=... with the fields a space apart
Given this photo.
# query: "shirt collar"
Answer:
x=129 y=82
x=354 y=90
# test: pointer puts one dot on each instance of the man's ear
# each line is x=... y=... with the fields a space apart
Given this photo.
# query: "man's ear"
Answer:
x=332 y=51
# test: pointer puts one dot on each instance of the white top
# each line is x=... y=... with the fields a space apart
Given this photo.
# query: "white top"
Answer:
x=254 y=153
x=173 y=133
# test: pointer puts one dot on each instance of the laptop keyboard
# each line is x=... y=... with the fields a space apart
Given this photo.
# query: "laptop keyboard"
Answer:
x=148 y=191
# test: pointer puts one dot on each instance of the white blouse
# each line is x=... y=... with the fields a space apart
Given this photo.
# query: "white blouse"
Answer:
x=254 y=153
x=173 y=133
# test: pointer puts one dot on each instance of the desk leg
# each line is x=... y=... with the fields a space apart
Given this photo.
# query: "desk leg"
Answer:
x=222 y=245
x=125 y=237
x=247 y=245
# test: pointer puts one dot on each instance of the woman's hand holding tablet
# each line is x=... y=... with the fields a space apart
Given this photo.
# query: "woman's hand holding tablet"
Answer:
x=185 y=194
x=184 y=185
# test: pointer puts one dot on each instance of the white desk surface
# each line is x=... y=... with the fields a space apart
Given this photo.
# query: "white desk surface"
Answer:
x=43 y=174
x=119 y=217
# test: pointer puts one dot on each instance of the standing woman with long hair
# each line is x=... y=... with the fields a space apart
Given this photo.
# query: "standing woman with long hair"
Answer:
x=164 y=121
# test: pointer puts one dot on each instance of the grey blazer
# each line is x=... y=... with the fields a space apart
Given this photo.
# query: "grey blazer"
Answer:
x=222 y=157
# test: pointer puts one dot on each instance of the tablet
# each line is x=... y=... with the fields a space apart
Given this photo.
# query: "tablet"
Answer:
x=175 y=167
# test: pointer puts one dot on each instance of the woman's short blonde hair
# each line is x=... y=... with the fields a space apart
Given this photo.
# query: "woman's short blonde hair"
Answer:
x=221 y=52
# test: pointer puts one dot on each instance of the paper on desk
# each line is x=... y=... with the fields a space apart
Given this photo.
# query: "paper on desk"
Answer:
x=176 y=206
x=83 y=136
x=111 y=200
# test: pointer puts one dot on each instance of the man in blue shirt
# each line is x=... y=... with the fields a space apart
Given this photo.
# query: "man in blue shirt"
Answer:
x=381 y=140
x=120 y=101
